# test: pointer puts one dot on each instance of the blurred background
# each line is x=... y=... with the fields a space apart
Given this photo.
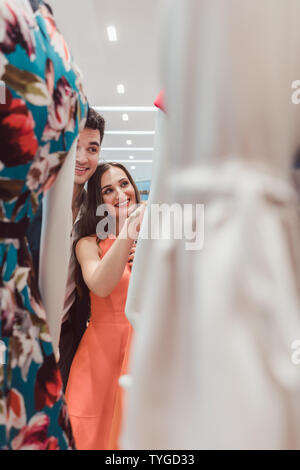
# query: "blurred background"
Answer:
x=115 y=44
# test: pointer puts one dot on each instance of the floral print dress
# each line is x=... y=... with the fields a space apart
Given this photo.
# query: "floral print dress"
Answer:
x=42 y=106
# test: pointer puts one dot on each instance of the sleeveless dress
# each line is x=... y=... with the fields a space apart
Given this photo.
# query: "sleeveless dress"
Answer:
x=93 y=394
x=41 y=107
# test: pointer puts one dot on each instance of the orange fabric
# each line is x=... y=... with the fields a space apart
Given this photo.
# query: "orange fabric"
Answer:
x=119 y=405
x=93 y=394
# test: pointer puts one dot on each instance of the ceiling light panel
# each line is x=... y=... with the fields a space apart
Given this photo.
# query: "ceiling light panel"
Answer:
x=128 y=161
x=120 y=89
x=120 y=141
x=138 y=121
x=129 y=132
x=112 y=33
x=144 y=109
x=126 y=149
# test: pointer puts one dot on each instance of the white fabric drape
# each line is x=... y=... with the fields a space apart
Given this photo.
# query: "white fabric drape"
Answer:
x=55 y=245
x=140 y=275
x=211 y=361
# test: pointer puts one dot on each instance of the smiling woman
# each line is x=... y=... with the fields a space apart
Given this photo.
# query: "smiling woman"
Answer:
x=119 y=193
x=111 y=184
x=104 y=267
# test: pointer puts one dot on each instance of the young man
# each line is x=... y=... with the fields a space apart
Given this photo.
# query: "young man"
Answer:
x=76 y=310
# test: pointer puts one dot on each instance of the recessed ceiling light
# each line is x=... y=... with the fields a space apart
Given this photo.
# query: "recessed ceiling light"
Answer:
x=127 y=161
x=132 y=167
x=112 y=33
x=125 y=117
x=130 y=132
x=127 y=149
x=131 y=157
x=126 y=108
x=128 y=142
x=120 y=89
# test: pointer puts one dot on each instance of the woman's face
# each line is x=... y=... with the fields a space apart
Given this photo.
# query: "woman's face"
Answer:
x=117 y=190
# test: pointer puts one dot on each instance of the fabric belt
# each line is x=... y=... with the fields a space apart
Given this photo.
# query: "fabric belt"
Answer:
x=14 y=229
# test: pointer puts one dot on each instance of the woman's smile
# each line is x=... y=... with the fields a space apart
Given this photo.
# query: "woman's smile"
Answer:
x=123 y=203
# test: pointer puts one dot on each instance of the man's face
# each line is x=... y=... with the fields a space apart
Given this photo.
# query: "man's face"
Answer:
x=87 y=154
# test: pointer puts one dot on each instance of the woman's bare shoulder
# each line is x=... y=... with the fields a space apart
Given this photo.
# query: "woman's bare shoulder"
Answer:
x=89 y=244
x=86 y=243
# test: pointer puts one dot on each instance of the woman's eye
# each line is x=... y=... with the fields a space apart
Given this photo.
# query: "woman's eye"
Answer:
x=125 y=183
x=107 y=191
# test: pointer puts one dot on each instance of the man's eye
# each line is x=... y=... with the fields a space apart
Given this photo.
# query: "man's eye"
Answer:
x=92 y=149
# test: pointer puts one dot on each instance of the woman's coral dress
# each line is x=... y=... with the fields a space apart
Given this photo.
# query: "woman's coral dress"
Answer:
x=93 y=394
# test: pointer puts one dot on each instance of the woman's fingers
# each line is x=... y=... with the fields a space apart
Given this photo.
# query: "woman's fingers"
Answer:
x=134 y=221
x=131 y=254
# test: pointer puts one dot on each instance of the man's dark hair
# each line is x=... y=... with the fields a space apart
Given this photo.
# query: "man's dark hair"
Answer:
x=95 y=121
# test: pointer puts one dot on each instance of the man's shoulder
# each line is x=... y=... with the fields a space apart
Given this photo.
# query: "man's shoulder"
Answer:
x=82 y=207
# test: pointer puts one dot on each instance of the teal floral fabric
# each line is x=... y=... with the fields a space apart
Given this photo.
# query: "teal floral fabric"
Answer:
x=42 y=108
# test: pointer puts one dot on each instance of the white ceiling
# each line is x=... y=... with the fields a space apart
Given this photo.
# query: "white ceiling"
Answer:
x=132 y=61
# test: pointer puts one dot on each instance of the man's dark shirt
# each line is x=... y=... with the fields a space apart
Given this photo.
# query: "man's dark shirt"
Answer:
x=75 y=327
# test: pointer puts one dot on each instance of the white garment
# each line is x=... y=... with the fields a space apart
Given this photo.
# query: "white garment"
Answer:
x=139 y=274
x=211 y=361
x=55 y=243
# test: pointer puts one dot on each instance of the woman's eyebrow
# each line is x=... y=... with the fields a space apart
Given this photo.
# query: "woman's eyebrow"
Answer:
x=108 y=185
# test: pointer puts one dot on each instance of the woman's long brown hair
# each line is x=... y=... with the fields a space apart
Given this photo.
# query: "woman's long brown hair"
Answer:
x=89 y=220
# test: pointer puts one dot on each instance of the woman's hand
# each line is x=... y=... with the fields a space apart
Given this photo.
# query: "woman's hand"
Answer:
x=134 y=221
x=131 y=255
x=136 y=206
